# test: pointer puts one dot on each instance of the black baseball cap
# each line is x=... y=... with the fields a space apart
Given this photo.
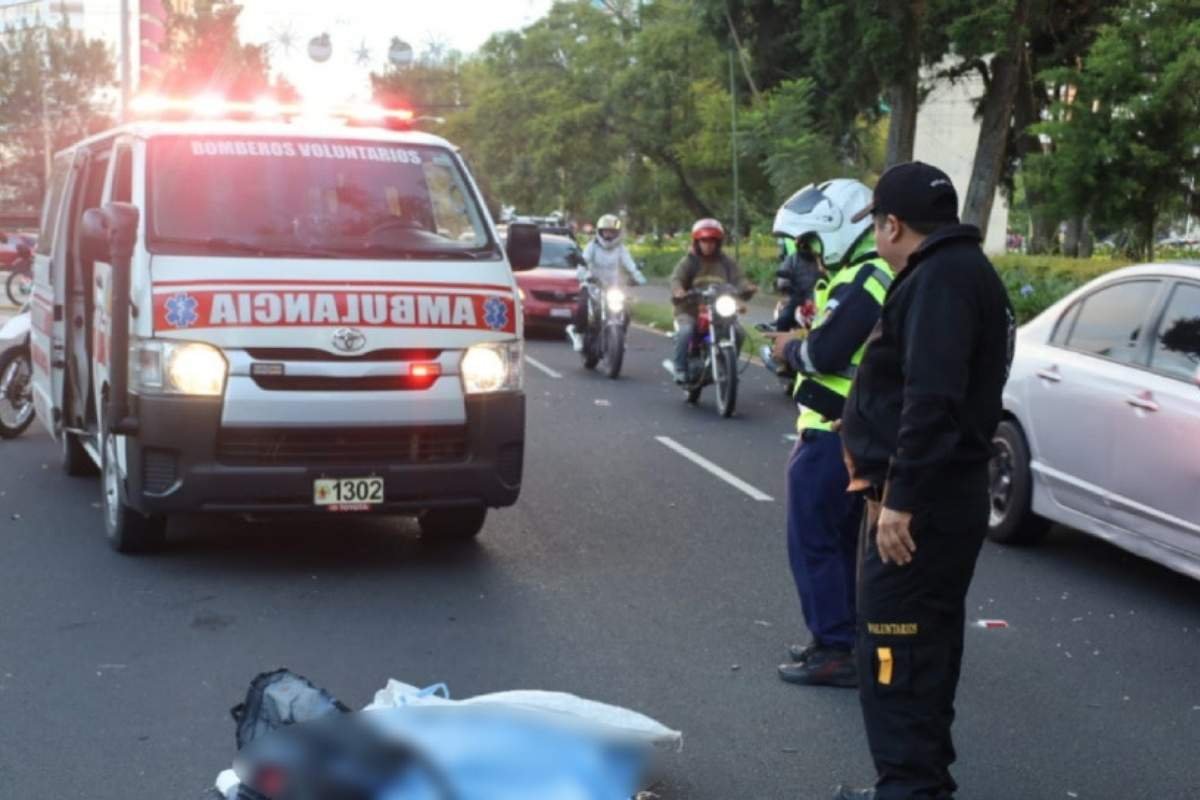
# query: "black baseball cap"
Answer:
x=915 y=192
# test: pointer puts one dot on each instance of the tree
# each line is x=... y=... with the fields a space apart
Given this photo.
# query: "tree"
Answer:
x=203 y=53
x=433 y=85
x=589 y=110
x=1126 y=129
x=52 y=93
x=999 y=30
x=784 y=136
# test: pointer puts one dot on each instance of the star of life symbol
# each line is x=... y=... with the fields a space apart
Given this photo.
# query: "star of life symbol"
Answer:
x=495 y=313
x=181 y=310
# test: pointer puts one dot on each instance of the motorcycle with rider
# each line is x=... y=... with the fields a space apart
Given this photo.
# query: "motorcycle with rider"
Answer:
x=601 y=320
x=707 y=289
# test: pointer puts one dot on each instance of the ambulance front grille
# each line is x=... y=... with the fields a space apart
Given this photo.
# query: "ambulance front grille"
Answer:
x=314 y=354
x=348 y=446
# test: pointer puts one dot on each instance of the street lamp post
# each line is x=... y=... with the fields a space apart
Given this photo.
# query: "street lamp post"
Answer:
x=734 y=148
x=126 y=66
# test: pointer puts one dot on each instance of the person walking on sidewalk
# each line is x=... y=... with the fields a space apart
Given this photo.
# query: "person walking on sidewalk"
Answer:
x=917 y=430
x=822 y=518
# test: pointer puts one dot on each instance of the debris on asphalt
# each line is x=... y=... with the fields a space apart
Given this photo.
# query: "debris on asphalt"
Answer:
x=991 y=623
x=762 y=622
x=736 y=667
x=16 y=516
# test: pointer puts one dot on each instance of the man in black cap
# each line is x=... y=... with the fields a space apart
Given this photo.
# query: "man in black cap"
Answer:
x=917 y=431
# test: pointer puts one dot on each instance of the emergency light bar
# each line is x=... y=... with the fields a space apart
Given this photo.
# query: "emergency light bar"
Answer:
x=213 y=106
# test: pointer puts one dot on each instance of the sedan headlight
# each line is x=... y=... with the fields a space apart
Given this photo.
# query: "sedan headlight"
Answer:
x=726 y=306
x=615 y=298
x=492 y=367
x=159 y=366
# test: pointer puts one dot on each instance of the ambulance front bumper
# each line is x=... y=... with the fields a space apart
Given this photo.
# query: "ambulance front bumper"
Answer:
x=184 y=459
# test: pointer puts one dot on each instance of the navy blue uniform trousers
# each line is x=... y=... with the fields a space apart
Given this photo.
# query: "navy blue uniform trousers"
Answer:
x=822 y=532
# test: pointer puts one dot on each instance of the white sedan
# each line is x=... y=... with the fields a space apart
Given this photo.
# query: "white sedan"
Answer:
x=1101 y=426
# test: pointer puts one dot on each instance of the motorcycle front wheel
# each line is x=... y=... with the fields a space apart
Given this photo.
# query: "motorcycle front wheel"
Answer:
x=16 y=395
x=18 y=287
x=725 y=376
x=614 y=350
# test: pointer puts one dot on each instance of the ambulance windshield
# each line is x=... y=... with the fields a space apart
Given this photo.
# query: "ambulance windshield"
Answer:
x=315 y=198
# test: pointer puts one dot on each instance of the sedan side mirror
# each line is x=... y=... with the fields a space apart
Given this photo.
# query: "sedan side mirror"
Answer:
x=524 y=246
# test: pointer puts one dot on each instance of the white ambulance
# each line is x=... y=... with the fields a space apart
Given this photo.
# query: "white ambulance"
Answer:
x=241 y=315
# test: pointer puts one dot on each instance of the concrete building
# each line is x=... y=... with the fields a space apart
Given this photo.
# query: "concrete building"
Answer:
x=95 y=19
x=101 y=19
x=947 y=133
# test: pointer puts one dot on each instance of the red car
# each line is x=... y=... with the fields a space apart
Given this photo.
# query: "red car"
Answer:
x=549 y=292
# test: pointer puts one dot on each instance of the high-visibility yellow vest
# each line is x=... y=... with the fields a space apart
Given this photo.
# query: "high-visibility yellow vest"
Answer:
x=875 y=276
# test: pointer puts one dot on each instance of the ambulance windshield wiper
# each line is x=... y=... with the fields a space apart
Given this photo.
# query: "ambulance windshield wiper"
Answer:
x=410 y=253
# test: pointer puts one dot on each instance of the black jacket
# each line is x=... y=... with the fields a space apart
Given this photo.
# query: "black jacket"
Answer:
x=926 y=400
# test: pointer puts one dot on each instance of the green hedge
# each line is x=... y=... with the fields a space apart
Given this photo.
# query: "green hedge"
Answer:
x=1036 y=282
x=1033 y=282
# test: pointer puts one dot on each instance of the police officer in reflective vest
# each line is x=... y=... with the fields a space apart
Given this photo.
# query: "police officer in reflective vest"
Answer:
x=822 y=517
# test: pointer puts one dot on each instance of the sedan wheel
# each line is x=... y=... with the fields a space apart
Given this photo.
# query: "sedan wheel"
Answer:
x=1010 y=490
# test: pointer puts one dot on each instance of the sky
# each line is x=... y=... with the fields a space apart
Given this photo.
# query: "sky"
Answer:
x=359 y=28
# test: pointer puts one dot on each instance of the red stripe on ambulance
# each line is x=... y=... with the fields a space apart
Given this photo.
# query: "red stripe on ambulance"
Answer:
x=185 y=309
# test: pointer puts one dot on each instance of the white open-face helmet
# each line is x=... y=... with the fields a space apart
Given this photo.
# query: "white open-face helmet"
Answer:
x=825 y=209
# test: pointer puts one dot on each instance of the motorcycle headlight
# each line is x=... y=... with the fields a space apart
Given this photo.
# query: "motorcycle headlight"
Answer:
x=726 y=306
x=492 y=367
x=159 y=366
x=615 y=299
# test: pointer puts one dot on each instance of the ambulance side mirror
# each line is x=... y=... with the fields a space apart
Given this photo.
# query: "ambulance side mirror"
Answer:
x=94 y=236
x=115 y=225
x=524 y=246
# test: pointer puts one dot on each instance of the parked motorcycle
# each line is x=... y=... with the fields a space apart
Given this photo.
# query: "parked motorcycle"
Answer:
x=608 y=320
x=713 y=351
x=20 y=277
x=16 y=373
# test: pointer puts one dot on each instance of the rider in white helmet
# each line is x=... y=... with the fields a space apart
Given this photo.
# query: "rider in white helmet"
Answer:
x=605 y=257
x=826 y=210
x=822 y=518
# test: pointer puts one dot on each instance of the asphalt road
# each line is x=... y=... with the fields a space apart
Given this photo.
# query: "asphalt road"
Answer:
x=627 y=574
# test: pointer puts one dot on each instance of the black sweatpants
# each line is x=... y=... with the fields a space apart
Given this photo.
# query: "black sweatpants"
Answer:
x=910 y=641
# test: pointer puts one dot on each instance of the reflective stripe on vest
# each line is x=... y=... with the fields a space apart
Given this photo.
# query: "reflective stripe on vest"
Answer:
x=873 y=275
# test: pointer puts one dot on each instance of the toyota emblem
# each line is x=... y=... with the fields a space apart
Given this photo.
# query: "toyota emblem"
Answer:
x=349 y=340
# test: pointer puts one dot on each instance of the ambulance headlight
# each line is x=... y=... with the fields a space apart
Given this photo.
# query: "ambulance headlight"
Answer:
x=726 y=306
x=615 y=299
x=492 y=367
x=158 y=366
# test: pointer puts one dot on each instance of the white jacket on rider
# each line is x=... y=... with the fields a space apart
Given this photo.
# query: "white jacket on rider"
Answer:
x=605 y=260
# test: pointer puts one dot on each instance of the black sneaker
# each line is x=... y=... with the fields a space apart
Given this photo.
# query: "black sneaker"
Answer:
x=824 y=667
x=799 y=653
x=846 y=793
